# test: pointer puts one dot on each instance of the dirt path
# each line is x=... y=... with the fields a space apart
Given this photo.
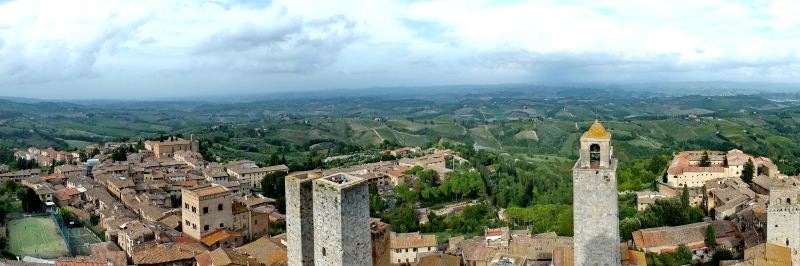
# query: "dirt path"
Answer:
x=379 y=135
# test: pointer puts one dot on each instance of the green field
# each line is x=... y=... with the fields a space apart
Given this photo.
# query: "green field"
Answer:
x=36 y=236
x=81 y=239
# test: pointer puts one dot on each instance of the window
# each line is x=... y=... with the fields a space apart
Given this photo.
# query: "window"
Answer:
x=205 y=210
x=219 y=207
x=186 y=205
x=187 y=222
x=415 y=249
x=221 y=225
x=256 y=221
x=594 y=155
x=323 y=251
x=205 y=228
x=194 y=226
x=194 y=210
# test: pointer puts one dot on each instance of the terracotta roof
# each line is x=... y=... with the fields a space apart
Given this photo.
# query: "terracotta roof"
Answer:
x=153 y=253
x=691 y=235
x=80 y=262
x=110 y=252
x=227 y=256
x=269 y=251
x=680 y=163
x=52 y=177
x=172 y=220
x=494 y=232
x=204 y=259
x=269 y=169
x=219 y=235
x=438 y=259
x=411 y=240
x=66 y=194
x=208 y=189
x=597 y=131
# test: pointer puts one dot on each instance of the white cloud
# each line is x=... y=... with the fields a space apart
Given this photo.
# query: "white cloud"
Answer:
x=121 y=48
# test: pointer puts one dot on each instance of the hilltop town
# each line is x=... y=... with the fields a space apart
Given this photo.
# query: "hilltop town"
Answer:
x=158 y=202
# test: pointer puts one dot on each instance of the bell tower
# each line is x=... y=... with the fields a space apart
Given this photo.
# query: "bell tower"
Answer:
x=595 y=210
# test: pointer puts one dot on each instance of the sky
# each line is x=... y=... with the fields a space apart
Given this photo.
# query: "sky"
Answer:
x=147 y=49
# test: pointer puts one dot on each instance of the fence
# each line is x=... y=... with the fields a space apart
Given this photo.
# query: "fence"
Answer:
x=64 y=230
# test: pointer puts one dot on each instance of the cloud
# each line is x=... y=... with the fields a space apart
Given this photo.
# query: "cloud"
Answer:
x=125 y=48
x=287 y=44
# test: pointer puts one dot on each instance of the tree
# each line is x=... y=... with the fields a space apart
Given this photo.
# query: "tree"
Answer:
x=376 y=203
x=120 y=153
x=403 y=219
x=274 y=186
x=65 y=214
x=705 y=161
x=748 y=171
x=711 y=237
x=30 y=201
x=721 y=253
x=94 y=219
x=95 y=152
x=82 y=156
x=685 y=197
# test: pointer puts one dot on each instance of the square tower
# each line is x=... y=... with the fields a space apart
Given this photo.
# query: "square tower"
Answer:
x=341 y=221
x=783 y=215
x=596 y=216
x=205 y=209
x=300 y=217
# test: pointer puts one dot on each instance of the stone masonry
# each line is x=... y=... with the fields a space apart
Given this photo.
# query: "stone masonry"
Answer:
x=783 y=215
x=300 y=218
x=596 y=221
x=341 y=221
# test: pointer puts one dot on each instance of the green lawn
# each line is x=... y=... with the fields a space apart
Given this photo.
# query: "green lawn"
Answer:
x=36 y=236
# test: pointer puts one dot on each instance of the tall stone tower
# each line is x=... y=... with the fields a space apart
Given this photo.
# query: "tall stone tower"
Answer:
x=300 y=217
x=783 y=215
x=341 y=221
x=594 y=199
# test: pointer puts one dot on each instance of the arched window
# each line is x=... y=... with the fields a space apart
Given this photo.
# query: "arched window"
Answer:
x=594 y=155
x=788 y=201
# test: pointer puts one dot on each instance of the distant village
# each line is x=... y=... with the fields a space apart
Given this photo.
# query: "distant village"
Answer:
x=167 y=205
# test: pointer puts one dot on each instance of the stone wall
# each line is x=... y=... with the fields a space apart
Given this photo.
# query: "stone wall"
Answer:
x=783 y=218
x=299 y=221
x=341 y=224
x=596 y=221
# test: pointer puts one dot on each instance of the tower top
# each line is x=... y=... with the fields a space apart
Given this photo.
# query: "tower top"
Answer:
x=597 y=131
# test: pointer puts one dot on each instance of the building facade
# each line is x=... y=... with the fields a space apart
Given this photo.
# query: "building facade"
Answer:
x=595 y=196
x=686 y=168
x=404 y=247
x=783 y=215
x=205 y=209
x=167 y=148
x=341 y=221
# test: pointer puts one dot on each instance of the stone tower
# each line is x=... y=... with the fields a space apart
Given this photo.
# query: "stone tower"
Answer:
x=300 y=217
x=783 y=215
x=341 y=221
x=594 y=199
